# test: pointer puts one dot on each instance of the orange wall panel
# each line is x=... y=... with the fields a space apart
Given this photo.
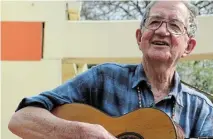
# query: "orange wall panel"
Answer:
x=21 y=40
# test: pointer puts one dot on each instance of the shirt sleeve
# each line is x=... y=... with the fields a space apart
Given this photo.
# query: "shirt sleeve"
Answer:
x=76 y=90
x=204 y=124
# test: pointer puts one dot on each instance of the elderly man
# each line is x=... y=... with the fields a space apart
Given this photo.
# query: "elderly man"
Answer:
x=166 y=35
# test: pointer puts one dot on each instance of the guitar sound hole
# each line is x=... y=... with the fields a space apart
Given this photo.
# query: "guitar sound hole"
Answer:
x=129 y=135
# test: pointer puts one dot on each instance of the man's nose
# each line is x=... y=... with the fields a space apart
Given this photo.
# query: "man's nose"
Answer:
x=162 y=30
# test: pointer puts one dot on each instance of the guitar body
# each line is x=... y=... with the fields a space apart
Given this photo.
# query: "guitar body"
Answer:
x=144 y=123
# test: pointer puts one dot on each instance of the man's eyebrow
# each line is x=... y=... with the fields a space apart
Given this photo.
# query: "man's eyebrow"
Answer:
x=157 y=15
x=170 y=18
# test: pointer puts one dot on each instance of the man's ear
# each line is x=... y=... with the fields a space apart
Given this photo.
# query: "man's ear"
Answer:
x=190 y=47
x=138 y=36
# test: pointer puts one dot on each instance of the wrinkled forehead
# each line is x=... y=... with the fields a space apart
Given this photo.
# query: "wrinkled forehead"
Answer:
x=170 y=10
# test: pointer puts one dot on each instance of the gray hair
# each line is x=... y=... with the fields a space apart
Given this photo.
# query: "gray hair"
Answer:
x=193 y=12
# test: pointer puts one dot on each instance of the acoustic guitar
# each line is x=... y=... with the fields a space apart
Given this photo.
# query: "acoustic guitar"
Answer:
x=144 y=123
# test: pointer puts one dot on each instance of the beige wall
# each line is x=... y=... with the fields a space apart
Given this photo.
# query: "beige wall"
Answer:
x=67 y=39
x=21 y=79
x=109 y=39
x=33 y=11
x=90 y=38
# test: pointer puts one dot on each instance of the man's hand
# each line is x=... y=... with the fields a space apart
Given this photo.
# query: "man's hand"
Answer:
x=94 y=131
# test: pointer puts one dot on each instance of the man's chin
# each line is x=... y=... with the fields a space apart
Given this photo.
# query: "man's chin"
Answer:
x=156 y=55
x=159 y=58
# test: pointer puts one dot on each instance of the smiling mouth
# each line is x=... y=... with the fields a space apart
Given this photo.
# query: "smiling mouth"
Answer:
x=160 y=43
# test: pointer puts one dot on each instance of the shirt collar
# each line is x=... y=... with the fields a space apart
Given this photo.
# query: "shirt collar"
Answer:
x=138 y=76
x=175 y=92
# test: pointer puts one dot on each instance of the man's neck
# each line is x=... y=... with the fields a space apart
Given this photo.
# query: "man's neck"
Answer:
x=159 y=76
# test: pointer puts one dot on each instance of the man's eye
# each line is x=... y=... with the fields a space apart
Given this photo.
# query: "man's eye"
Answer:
x=154 y=22
x=175 y=26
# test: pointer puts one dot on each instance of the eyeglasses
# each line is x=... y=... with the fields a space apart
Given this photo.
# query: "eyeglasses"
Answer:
x=174 y=26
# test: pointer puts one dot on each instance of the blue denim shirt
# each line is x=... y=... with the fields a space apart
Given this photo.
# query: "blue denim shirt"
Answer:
x=112 y=88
